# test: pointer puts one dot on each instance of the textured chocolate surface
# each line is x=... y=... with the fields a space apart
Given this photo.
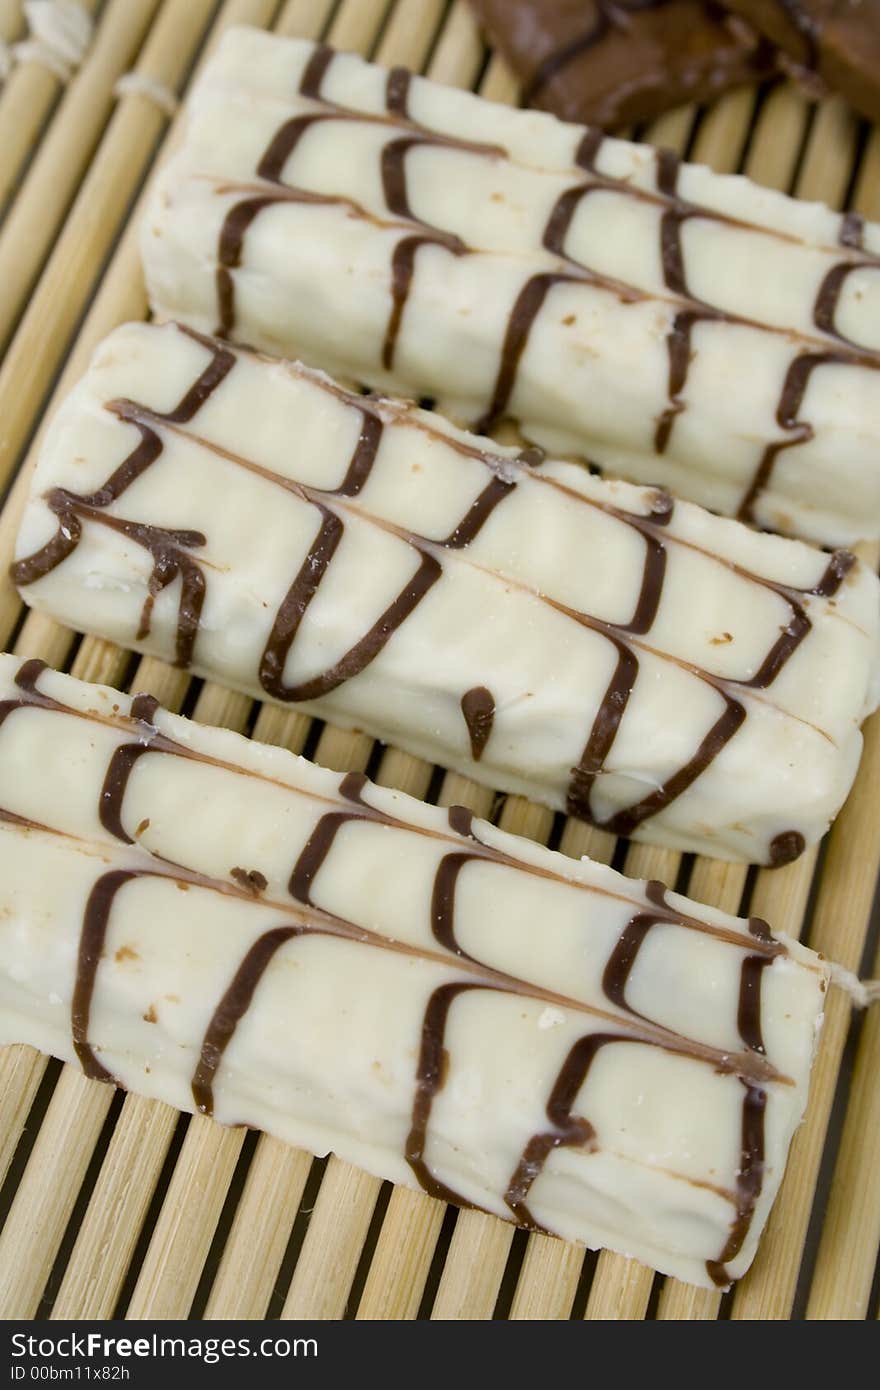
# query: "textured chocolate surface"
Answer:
x=837 y=41
x=610 y=62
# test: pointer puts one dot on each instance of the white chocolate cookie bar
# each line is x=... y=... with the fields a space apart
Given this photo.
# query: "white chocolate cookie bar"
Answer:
x=230 y=929
x=678 y=327
x=670 y=675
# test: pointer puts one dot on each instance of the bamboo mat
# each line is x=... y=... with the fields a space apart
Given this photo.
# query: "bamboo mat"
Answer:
x=113 y=1205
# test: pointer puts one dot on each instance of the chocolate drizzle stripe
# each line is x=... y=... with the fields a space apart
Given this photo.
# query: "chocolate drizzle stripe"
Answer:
x=361 y=464
x=602 y=733
x=296 y=601
x=230 y=1011
x=315 y=70
x=526 y=307
x=478 y=709
x=750 y=1174
x=144 y=709
x=429 y=1079
x=750 y=1180
x=828 y=298
x=115 y=785
x=403 y=264
x=794 y=388
x=91 y=946
x=443 y=900
x=461 y=820
x=623 y=957
x=627 y=821
x=749 y=1010
x=314 y=852
x=230 y=249
x=566 y=1130
x=358 y=657
x=397 y=89
x=477 y=514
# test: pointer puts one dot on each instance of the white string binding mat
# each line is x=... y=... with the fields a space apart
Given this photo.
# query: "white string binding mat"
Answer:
x=60 y=32
x=138 y=84
x=863 y=993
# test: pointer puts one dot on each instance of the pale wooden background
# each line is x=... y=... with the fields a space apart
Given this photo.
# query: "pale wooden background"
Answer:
x=116 y=1204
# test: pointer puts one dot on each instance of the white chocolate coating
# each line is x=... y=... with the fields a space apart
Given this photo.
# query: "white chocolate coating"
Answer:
x=224 y=926
x=679 y=327
x=669 y=674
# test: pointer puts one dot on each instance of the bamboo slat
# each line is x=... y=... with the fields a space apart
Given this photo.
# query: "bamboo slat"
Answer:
x=51 y=180
x=117 y=1208
x=228 y=1244
x=41 y=1208
x=25 y=102
x=21 y=1070
x=473 y=1269
x=244 y=1284
x=173 y=1263
x=11 y=20
x=94 y=220
x=548 y=1280
x=331 y=1251
x=401 y=1260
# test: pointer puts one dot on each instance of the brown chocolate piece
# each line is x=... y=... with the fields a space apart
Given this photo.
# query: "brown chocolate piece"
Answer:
x=610 y=62
x=837 y=41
